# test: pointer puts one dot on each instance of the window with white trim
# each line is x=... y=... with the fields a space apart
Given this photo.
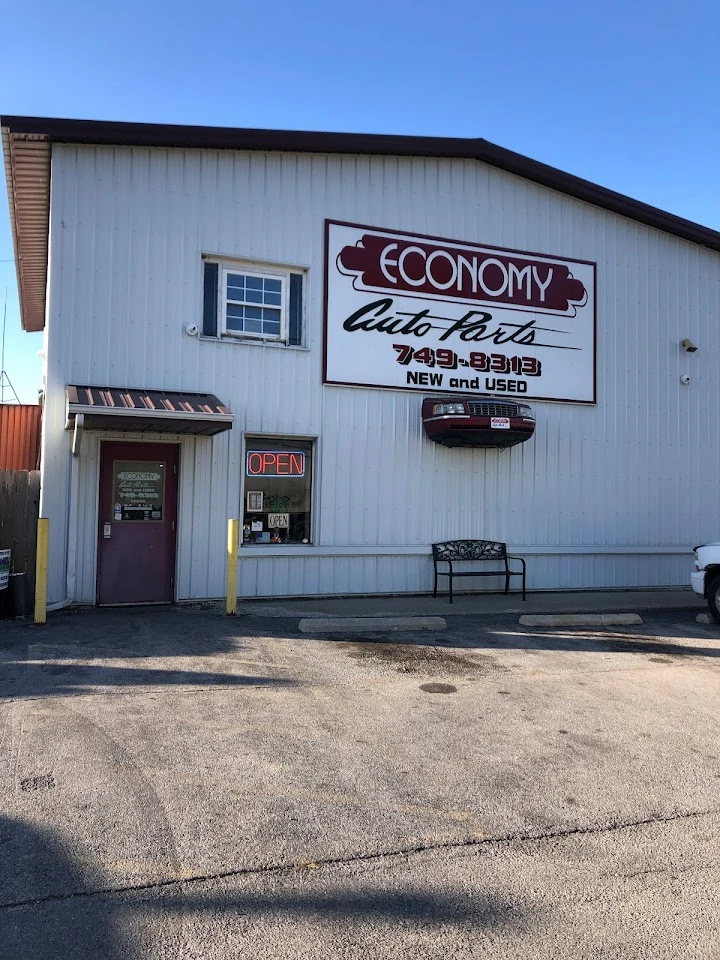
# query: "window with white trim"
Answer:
x=250 y=301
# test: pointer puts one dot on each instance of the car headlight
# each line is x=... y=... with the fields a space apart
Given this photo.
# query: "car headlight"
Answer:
x=445 y=408
x=524 y=410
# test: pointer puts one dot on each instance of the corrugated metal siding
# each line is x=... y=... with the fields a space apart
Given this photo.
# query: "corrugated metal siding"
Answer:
x=19 y=436
x=611 y=495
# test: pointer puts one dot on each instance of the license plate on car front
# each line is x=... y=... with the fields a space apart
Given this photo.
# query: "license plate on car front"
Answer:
x=500 y=423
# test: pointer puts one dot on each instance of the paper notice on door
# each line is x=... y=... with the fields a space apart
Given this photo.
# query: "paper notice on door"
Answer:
x=139 y=490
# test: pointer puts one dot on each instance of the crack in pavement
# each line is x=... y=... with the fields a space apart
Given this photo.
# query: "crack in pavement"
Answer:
x=286 y=868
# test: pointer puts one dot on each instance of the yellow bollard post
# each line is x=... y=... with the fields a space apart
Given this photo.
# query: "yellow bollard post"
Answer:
x=233 y=543
x=41 y=570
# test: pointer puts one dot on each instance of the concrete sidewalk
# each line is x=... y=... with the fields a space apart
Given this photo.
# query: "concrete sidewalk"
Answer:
x=480 y=605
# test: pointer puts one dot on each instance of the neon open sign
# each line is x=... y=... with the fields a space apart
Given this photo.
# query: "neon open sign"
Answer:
x=275 y=463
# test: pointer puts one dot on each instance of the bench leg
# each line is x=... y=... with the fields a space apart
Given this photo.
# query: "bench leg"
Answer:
x=507 y=584
x=435 y=587
x=450 y=579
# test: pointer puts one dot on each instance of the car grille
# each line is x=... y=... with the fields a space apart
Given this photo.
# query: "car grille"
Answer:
x=489 y=409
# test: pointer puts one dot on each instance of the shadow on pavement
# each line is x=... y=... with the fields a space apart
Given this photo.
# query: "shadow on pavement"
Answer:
x=600 y=641
x=674 y=637
x=51 y=908
x=351 y=901
x=78 y=651
x=35 y=678
x=43 y=913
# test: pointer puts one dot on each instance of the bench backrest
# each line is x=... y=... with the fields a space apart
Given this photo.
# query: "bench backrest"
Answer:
x=469 y=550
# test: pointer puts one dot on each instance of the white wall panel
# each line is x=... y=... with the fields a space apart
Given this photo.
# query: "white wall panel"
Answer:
x=637 y=472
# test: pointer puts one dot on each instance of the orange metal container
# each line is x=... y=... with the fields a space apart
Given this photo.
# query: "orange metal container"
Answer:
x=20 y=436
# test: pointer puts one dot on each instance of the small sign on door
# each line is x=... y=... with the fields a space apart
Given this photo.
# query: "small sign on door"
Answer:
x=138 y=490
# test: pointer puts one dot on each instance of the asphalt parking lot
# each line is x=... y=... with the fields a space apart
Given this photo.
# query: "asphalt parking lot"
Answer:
x=180 y=784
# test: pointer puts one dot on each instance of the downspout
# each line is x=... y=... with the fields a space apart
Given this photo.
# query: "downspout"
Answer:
x=72 y=519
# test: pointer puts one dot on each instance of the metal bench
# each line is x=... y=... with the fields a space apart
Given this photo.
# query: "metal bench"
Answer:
x=457 y=551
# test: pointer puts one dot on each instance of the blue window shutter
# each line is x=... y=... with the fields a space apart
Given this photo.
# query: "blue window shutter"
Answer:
x=295 y=324
x=210 y=304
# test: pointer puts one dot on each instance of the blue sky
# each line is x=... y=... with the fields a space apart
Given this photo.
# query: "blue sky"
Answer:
x=622 y=93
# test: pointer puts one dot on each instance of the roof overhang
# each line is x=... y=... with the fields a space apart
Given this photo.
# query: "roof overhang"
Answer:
x=27 y=170
x=27 y=145
x=146 y=411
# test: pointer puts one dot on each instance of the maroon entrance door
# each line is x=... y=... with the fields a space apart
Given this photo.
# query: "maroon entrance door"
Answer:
x=136 y=536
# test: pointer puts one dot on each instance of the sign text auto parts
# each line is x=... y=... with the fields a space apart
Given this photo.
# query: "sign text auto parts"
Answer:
x=429 y=314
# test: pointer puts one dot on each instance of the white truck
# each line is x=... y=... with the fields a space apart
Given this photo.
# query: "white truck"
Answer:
x=705 y=578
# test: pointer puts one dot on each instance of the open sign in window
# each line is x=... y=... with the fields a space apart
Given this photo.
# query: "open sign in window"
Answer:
x=278 y=491
x=275 y=463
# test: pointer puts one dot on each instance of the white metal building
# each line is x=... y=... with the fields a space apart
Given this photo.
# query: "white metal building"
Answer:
x=245 y=323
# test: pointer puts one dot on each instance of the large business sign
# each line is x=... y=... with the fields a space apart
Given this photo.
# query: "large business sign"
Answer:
x=422 y=313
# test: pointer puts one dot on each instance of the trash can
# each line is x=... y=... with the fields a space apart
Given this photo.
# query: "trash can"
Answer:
x=19 y=603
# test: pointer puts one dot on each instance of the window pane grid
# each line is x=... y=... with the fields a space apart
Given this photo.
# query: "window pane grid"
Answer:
x=253 y=304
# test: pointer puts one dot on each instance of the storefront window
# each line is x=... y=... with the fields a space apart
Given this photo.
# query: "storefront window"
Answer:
x=278 y=491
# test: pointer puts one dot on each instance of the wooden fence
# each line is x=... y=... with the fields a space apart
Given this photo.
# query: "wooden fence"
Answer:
x=19 y=509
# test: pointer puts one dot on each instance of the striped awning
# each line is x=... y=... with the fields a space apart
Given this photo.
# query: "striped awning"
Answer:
x=147 y=411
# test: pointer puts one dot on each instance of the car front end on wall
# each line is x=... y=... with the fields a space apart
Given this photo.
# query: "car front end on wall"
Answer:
x=477 y=421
